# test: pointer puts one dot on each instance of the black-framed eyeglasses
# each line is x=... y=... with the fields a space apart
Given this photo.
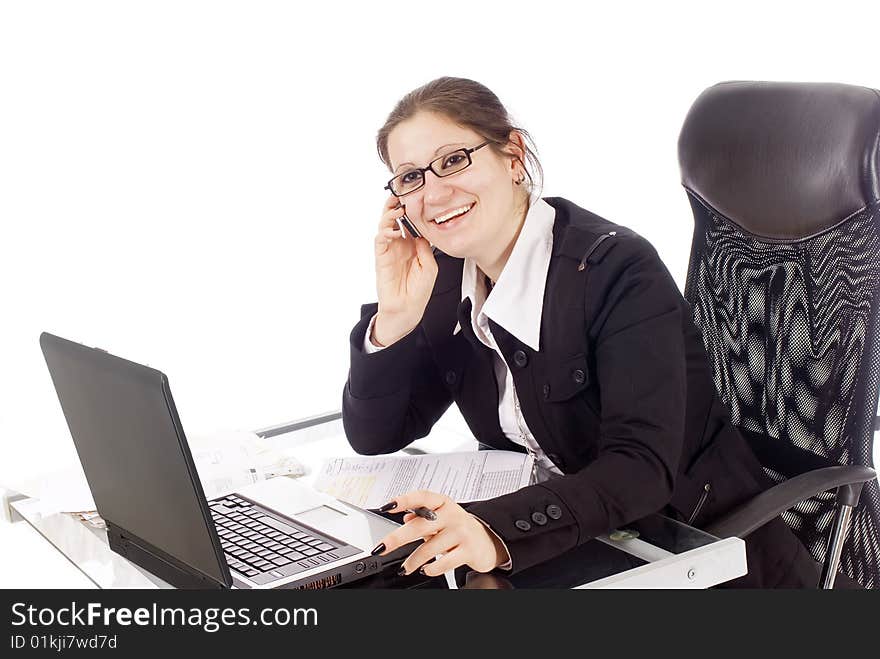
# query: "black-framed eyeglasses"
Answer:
x=446 y=165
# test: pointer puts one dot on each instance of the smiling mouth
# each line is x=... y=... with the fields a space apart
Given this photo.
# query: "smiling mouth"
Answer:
x=453 y=214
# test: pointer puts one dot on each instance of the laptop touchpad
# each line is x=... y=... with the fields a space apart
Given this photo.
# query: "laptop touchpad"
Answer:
x=356 y=527
x=286 y=496
x=334 y=522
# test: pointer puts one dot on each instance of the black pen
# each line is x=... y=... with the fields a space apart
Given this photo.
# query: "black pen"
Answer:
x=425 y=513
x=421 y=511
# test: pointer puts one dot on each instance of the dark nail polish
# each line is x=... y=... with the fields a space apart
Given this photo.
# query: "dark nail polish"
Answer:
x=378 y=549
x=388 y=506
x=401 y=572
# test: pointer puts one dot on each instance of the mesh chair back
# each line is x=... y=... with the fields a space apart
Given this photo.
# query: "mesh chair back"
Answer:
x=783 y=279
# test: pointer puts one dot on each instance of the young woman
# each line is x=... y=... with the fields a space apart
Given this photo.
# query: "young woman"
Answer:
x=555 y=332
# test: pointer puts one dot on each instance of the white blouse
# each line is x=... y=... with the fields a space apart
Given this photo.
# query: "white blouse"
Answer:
x=516 y=303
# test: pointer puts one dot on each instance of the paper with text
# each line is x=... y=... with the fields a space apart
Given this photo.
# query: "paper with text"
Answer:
x=229 y=460
x=370 y=482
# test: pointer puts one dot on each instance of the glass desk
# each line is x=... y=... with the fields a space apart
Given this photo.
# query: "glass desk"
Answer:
x=656 y=552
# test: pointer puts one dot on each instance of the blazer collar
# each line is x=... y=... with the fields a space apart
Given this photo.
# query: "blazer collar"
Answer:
x=516 y=301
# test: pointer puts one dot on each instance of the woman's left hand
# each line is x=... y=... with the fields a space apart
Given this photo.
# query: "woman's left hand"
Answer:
x=455 y=537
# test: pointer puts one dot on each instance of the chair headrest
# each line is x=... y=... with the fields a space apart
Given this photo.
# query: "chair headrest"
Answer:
x=783 y=160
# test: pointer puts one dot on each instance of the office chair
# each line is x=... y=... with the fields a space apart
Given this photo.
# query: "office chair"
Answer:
x=783 y=279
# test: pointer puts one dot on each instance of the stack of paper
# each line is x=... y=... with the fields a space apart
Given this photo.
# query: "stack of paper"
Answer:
x=370 y=482
x=230 y=460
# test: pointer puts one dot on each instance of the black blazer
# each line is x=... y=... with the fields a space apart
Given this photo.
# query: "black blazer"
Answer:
x=619 y=396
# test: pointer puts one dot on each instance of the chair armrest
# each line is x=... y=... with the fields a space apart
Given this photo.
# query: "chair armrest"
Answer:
x=773 y=502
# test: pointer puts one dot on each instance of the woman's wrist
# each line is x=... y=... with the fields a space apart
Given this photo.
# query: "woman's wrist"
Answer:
x=502 y=555
x=390 y=330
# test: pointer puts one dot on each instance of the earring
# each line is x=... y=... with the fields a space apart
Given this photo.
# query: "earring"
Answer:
x=520 y=180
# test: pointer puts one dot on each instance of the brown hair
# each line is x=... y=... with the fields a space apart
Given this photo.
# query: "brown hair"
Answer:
x=467 y=103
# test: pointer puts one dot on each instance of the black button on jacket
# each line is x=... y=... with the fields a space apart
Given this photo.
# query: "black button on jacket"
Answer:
x=619 y=396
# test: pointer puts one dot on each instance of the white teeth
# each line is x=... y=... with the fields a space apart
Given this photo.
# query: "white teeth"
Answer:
x=453 y=213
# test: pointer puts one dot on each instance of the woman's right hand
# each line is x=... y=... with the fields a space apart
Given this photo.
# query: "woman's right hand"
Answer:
x=405 y=275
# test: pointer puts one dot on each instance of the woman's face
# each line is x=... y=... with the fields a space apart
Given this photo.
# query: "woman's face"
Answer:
x=486 y=188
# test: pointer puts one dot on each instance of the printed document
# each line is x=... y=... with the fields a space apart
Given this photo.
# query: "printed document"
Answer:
x=370 y=482
x=232 y=459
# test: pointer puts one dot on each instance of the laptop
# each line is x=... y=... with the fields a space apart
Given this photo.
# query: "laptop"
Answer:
x=272 y=534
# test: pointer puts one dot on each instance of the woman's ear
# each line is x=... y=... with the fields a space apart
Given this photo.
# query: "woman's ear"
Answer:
x=516 y=149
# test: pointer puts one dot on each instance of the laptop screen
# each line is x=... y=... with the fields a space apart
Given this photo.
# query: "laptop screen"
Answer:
x=133 y=452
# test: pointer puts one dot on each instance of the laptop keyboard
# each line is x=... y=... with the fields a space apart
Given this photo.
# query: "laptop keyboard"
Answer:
x=263 y=547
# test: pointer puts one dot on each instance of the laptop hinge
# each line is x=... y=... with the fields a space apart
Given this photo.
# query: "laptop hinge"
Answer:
x=157 y=562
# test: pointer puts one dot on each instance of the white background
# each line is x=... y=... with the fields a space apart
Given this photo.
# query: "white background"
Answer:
x=194 y=185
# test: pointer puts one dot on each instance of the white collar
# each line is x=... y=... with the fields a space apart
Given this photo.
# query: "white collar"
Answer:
x=517 y=299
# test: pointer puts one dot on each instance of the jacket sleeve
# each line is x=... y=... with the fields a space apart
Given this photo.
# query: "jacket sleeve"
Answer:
x=636 y=335
x=392 y=396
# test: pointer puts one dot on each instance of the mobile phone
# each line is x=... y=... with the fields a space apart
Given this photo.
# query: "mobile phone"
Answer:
x=404 y=221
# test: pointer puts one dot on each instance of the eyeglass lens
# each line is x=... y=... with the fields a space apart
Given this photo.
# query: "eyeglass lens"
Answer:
x=442 y=166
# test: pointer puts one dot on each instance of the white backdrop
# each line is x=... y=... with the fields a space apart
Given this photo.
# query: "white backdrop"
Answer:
x=194 y=185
